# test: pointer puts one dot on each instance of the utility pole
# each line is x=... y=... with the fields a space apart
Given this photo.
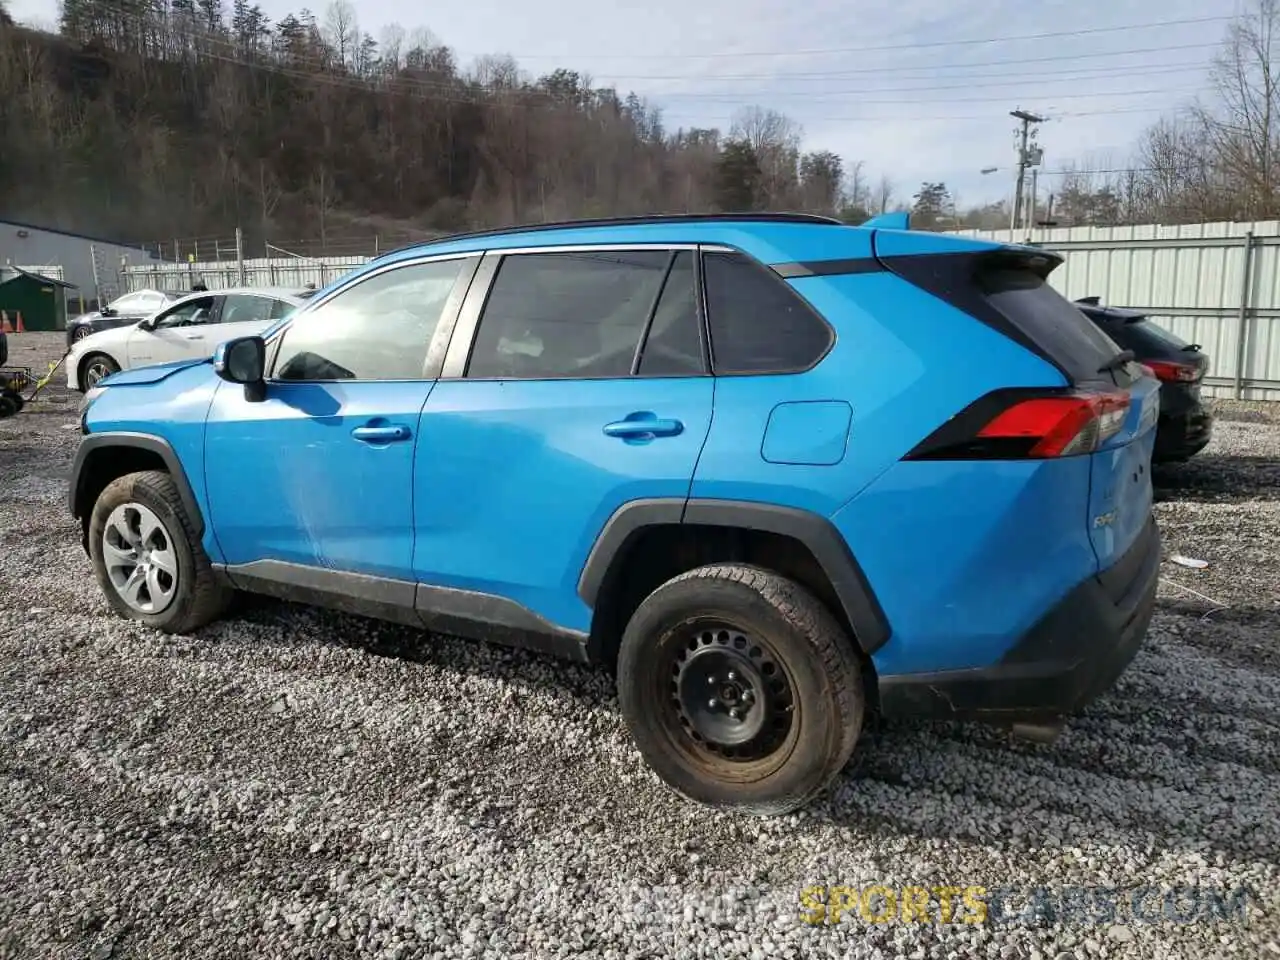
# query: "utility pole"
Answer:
x=1026 y=158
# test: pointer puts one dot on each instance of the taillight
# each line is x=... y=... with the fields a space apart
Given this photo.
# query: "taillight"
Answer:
x=1167 y=371
x=1012 y=425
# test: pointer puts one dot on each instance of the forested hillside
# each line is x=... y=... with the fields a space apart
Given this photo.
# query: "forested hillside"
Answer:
x=147 y=122
x=151 y=119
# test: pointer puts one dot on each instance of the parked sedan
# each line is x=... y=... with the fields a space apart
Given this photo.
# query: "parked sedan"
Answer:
x=123 y=311
x=190 y=327
x=1185 y=423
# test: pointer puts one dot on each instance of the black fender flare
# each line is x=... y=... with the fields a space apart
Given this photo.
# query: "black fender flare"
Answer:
x=818 y=534
x=95 y=442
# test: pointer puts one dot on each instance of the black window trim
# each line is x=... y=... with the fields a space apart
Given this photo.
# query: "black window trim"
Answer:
x=769 y=271
x=434 y=361
x=467 y=327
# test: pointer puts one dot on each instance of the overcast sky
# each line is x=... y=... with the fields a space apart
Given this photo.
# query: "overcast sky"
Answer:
x=899 y=85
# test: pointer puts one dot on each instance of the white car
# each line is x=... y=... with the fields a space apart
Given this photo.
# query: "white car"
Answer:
x=189 y=328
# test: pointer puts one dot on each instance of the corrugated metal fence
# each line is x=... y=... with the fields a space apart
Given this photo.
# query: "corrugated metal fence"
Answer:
x=1215 y=284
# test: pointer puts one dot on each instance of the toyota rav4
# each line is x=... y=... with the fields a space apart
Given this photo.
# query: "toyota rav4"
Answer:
x=773 y=471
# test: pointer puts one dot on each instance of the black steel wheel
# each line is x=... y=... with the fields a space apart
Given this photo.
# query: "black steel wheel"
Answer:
x=740 y=689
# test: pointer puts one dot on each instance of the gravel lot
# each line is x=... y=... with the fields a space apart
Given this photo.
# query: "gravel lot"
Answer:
x=293 y=782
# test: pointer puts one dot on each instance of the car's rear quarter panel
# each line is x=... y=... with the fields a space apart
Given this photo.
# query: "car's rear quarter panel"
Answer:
x=903 y=360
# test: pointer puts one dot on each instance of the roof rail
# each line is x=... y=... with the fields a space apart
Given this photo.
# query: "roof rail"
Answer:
x=761 y=217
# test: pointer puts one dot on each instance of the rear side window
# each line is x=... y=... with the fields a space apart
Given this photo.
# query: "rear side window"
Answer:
x=557 y=315
x=673 y=346
x=758 y=323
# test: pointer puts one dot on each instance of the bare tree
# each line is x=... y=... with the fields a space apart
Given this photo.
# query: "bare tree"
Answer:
x=1241 y=128
x=341 y=30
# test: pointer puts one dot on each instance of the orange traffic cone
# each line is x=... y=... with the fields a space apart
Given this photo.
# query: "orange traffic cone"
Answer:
x=4 y=322
x=21 y=328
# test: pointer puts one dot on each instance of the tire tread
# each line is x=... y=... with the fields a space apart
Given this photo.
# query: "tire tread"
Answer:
x=810 y=618
x=209 y=598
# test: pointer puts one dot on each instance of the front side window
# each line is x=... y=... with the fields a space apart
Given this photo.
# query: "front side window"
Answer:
x=758 y=323
x=190 y=313
x=572 y=314
x=374 y=329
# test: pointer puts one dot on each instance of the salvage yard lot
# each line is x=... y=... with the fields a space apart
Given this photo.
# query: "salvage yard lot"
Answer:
x=295 y=782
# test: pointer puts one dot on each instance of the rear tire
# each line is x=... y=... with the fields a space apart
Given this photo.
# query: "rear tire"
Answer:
x=148 y=560
x=740 y=689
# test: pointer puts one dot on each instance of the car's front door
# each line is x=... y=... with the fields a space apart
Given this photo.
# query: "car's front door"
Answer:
x=177 y=333
x=316 y=480
x=586 y=387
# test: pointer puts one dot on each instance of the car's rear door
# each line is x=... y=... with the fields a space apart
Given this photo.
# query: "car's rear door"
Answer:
x=245 y=315
x=576 y=381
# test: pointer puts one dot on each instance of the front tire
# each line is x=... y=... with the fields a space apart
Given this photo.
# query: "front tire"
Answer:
x=95 y=367
x=147 y=559
x=740 y=689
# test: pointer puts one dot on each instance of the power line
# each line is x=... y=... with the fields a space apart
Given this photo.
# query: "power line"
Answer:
x=861 y=71
x=898 y=116
x=887 y=47
x=1019 y=80
x=862 y=99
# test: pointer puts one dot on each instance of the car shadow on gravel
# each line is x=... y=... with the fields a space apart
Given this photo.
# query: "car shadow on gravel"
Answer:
x=1225 y=478
x=590 y=684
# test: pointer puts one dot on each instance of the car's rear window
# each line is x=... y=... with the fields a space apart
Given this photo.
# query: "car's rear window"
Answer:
x=1048 y=319
x=1146 y=334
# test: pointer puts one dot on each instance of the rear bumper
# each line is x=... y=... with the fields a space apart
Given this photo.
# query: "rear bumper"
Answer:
x=1068 y=659
x=1183 y=434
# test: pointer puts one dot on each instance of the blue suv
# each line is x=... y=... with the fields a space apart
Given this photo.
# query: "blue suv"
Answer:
x=776 y=472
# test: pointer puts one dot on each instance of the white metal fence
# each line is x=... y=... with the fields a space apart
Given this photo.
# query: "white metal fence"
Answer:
x=1215 y=284
x=220 y=274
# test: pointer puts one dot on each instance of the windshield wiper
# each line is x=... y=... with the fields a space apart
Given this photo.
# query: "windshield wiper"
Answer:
x=1116 y=362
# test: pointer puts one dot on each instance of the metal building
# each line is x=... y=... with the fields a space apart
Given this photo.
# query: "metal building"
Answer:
x=36 y=247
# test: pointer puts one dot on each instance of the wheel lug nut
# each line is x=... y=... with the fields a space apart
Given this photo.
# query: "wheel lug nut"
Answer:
x=713 y=703
x=732 y=675
x=748 y=696
x=734 y=715
x=712 y=681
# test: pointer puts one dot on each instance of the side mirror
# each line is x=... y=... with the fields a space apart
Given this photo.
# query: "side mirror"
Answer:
x=243 y=361
x=107 y=312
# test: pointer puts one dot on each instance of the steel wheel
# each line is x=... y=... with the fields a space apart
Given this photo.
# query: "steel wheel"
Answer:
x=730 y=707
x=137 y=551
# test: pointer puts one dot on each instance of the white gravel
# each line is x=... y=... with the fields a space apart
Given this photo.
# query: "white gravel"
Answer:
x=293 y=782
